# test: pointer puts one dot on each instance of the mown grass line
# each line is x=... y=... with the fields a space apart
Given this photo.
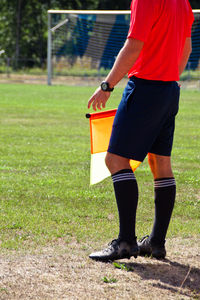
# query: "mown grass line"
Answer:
x=44 y=170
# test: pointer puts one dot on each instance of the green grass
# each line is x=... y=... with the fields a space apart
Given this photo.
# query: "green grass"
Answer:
x=44 y=170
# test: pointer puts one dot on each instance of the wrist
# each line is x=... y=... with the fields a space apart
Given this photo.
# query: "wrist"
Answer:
x=106 y=86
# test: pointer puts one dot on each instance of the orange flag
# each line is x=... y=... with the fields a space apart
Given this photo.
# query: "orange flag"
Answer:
x=100 y=132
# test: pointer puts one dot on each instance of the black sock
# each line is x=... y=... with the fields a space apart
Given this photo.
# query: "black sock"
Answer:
x=126 y=193
x=165 y=193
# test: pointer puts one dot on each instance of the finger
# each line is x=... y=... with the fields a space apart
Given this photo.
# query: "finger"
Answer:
x=99 y=105
x=104 y=104
x=92 y=98
x=94 y=104
x=90 y=101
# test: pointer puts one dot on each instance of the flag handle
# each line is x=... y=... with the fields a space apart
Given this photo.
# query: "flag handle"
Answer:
x=101 y=114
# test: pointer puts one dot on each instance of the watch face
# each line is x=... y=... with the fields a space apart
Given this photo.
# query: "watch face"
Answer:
x=104 y=86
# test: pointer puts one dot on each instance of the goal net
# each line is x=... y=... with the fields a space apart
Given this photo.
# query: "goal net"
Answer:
x=86 y=43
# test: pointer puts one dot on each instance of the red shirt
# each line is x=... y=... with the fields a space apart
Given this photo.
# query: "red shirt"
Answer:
x=163 y=26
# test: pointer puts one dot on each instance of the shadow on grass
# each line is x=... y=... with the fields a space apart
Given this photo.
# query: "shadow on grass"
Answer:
x=171 y=275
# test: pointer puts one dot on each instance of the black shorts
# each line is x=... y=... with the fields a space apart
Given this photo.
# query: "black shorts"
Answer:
x=145 y=119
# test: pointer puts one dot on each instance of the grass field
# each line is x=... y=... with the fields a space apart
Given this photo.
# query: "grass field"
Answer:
x=44 y=166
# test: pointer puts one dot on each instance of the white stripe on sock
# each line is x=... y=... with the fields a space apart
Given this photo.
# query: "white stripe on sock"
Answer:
x=164 y=183
x=124 y=176
x=164 y=180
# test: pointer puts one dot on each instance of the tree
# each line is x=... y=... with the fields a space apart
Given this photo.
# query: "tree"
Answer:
x=23 y=26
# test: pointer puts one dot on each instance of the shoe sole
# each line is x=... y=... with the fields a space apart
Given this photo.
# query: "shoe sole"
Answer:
x=106 y=259
x=161 y=256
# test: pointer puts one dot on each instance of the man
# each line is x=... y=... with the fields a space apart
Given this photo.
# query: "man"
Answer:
x=154 y=55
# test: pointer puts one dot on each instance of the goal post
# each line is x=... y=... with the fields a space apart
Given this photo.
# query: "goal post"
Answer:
x=86 y=42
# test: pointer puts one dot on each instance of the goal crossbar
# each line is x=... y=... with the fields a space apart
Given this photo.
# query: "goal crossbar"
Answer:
x=90 y=12
x=99 y=12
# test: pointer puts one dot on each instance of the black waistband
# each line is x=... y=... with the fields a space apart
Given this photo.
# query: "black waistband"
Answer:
x=148 y=81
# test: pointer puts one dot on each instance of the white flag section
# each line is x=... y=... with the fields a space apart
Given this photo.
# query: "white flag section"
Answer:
x=98 y=169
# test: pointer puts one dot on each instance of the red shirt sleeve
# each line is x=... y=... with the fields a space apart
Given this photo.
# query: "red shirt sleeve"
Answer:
x=142 y=19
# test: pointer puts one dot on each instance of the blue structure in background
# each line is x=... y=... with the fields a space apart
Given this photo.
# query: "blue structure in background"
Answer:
x=113 y=45
x=82 y=32
x=80 y=36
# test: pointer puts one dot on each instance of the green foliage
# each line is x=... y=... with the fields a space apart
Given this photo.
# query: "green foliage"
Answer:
x=109 y=280
x=22 y=30
x=122 y=267
x=23 y=27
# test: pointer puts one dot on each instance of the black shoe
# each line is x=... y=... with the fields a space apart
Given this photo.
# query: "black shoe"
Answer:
x=146 y=248
x=117 y=249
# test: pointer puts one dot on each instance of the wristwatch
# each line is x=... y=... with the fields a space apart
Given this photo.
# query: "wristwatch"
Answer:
x=105 y=87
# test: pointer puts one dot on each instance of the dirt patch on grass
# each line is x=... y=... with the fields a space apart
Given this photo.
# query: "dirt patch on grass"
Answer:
x=59 y=80
x=76 y=80
x=64 y=271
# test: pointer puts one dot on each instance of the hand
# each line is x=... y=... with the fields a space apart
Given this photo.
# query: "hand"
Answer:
x=98 y=99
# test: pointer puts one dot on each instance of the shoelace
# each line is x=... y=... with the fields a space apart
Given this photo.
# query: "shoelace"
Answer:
x=144 y=237
x=147 y=236
x=110 y=245
x=113 y=242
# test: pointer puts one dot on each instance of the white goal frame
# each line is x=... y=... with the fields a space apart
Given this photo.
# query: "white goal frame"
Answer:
x=50 y=30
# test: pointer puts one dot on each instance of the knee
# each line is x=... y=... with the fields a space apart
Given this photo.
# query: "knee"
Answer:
x=116 y=163
x=160 y=165
x=109 y=161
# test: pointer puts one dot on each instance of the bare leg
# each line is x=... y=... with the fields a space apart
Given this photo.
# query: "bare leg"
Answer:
x=115 y=163
x=160 y=166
